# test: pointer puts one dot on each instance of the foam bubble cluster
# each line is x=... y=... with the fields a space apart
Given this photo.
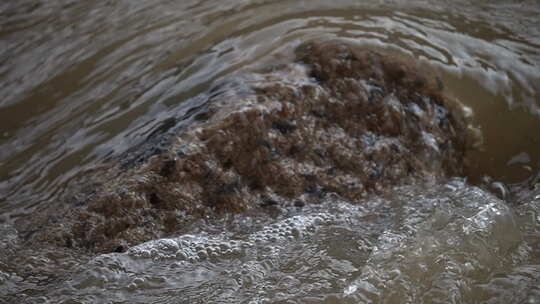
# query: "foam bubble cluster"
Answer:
x=189 y=248
x=196 y=248
x=292 y=228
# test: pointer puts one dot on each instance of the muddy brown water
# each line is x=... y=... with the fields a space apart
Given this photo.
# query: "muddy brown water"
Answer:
x=83 y=82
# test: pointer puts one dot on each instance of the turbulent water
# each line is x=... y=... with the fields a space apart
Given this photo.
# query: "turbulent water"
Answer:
x=82 y=82
x=450 y=244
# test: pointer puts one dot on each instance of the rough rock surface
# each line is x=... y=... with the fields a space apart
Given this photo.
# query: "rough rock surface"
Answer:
x=341 y=119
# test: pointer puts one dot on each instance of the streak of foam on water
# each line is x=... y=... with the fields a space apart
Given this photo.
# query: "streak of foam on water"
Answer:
x=196 y=248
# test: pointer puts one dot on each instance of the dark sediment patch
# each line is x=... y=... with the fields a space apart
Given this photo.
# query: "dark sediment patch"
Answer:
x=341 y=119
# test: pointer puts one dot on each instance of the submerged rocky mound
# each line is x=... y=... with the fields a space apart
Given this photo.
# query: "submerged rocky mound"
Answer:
x=340 y=120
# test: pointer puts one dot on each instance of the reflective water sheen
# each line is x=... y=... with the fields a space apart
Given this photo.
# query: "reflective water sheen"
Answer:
x=81 y=81
x=451 y=244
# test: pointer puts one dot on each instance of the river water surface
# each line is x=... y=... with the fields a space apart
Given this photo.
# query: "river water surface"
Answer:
x=83 y=81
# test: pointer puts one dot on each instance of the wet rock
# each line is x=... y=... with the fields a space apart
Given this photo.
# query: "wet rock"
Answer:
x=283 y=126
x=341 y=119
x=120 y=249
x=268 y=202
x=168 y=167
x=299 y=203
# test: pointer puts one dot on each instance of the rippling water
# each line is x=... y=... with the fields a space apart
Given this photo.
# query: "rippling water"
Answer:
x=83 y=81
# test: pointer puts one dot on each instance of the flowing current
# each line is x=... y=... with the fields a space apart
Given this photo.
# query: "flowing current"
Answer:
x=82 y=82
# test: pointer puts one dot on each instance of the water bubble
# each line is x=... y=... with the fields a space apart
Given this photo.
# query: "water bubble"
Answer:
x=41 y=300
x=181 y=255
x=199 y=247
x=202 y=254
x=138 y=281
